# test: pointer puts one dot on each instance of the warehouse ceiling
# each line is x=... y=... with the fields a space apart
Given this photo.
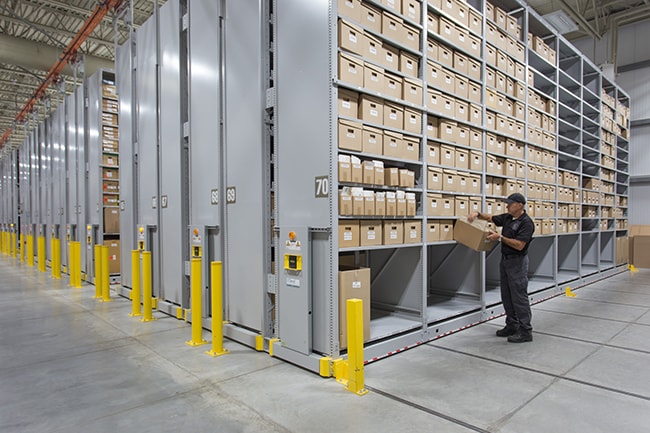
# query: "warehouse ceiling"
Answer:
x=34 y=33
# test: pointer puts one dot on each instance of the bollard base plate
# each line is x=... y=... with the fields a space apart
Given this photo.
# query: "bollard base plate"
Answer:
x=215 y=353
x=196 y=343
x=135 y=315
x=362 y=391
x=148 y=320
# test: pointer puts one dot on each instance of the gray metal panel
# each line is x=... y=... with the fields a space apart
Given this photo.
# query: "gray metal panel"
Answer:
x=123 y=69
x=82 y=181
x=34 y=176
x=71 y=141
x=303 y=146
x=59 y=136
x=94 y=187
x=147 y=127
x=47 y=189
x=245 y=164
x=303 y=110
x=25 y=191
x=147 y=142
x=205 y=112
x=172 y=225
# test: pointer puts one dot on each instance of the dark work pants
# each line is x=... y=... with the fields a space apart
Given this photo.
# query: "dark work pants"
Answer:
x=514 y=291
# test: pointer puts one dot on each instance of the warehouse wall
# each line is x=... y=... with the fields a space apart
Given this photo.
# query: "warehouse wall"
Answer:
x=633 y=49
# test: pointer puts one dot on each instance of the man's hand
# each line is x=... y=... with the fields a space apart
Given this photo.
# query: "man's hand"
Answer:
x=472 y=216
x=493 y=236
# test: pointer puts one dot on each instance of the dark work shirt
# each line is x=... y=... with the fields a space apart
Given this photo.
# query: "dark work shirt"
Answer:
x=521 y=228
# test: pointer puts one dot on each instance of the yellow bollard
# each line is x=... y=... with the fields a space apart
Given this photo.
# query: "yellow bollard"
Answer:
x=135 y=289
x=216 y=269
x=12 y=246
x=30 y=250
x=56 y=258
x=146 y=287
x=21 y=248
x=75 y=264
x=195 y=300
x=355 y=347
x=106 y=284
x=41 y=253
x=52 y=250
x=71 y=262
x=98 y=271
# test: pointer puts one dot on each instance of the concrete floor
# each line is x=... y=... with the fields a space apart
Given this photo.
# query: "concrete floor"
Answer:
x=71 y=364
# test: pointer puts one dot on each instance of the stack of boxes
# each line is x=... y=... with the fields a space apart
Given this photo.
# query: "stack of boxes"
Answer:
x=412 y=92
x=453 y=151
x=110 y=172
x=380 y=98
x=614 y=124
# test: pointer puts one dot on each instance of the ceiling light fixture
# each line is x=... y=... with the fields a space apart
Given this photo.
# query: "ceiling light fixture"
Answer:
x=561 y=22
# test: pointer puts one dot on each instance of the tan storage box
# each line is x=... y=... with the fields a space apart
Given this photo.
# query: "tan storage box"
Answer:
x=370 y=232
x=446 y=230
x=393 y=232
x=354 y=284
x=473 y=235
x=111 y=220
x=350 y=135
x=372 y=140
x=113 y=256
x=350 y=70
x=348 y=233
x=351 y=38
x=433 y=231
x=412 y=232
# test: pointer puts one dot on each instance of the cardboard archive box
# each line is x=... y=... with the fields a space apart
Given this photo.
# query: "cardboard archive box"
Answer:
x=113 y=256
x=111 y=220
x=639 y=246
x=354 y=284
x=473 y=235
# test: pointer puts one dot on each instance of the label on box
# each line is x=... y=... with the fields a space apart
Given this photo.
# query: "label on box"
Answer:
x=393 y=234
x=345 y=104
x=374 y=112
x=413 y=234
x=352 y=69
x=352 y=38
x=356 y=284
x=371 y=235
x=347 y=236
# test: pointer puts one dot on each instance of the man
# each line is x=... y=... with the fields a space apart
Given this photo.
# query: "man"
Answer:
x=515 y=238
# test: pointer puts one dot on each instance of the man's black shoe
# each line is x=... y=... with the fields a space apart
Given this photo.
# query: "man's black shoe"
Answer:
x=520 y=337
x=507 y=331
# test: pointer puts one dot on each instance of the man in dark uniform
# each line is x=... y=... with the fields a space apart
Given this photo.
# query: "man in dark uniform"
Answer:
x=515 y=237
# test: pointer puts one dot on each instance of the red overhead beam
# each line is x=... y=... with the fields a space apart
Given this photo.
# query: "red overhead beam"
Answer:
x=68 y=56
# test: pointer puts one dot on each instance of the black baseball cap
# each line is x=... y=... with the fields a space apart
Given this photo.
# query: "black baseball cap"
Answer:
x=515 y=198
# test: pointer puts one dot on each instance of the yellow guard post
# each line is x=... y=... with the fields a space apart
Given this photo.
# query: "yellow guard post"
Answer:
x=197 y=319
x=217 y=310
x=355 y=365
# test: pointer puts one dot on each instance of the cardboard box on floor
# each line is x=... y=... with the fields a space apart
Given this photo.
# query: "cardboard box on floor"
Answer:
x=638 y=252
x=473 y=235
x=353 y=283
